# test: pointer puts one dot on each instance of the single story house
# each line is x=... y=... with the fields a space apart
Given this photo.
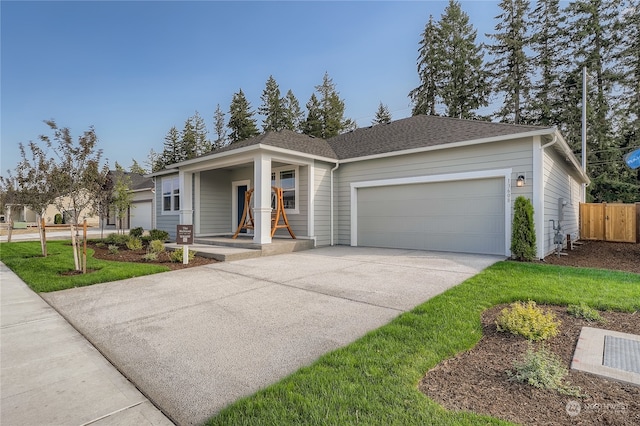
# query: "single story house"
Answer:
x=424 y=182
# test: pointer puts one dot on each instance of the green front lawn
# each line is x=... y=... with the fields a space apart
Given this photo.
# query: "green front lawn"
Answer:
x=44 y=274
x=374 y=380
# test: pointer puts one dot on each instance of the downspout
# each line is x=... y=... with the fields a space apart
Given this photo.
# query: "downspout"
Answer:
x=331 y=204
x=553 y=141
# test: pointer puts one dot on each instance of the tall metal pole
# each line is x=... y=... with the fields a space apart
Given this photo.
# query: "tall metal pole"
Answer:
x=584 y=130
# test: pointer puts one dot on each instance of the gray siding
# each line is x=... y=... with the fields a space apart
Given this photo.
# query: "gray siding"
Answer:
x=299 y=221
x=516 y=154
x=215 y=202
x=165 y=222
x=559 y=183
x=322 y=203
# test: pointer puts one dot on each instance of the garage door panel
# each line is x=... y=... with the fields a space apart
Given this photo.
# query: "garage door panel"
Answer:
x=461 y=216
x=141 y=215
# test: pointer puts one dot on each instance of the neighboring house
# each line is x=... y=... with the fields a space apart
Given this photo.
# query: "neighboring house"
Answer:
x=141 y=212
x=423 y=182
x=21 y=213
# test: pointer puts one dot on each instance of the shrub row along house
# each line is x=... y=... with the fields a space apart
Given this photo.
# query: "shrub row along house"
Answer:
x=424 y=182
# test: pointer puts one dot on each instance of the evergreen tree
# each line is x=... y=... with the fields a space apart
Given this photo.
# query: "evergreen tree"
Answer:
x=220 y=128
x=137 y=168
x=464 y=87
x=202 y=143
x=430 y=64
x=523 y=233
x=172 y=150
x=383 y=116
x=188 y=140
x=272 y=107
x=241 y=122
x=325 y=117
x=510 y=68
x=293 y=115
x=547 y=34
x=312 y=126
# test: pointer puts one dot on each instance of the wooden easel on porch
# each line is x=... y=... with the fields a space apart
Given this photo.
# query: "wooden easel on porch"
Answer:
x=247 y=221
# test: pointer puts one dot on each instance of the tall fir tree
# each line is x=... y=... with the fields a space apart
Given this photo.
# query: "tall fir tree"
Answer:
x=220 y=128
x=293 y=115
x=272 y=107
x=510 y=68
x=329 y=110
x=172 y=149
x=464 y=87
x=430 y=64
x=547 y=34
x=188 y=140
x=241 y=124
x=383 y=116
x=592 y=35
x=202 y=143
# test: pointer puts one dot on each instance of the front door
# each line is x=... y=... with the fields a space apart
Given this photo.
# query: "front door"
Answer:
x=241 y=191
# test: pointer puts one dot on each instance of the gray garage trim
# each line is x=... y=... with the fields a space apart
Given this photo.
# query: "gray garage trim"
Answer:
x=406 y=187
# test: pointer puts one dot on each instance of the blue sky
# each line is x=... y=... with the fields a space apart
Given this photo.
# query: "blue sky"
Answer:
x=135 y=69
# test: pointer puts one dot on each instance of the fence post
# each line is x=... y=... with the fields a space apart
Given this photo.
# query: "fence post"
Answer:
x=637 y=223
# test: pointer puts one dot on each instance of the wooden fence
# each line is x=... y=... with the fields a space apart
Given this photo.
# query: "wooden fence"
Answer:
x=610 y=222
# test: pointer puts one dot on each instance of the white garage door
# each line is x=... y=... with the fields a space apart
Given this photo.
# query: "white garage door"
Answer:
x=459 y=216
x=141 y=215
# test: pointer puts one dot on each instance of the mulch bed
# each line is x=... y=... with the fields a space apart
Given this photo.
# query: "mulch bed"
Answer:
x=477 y=381
x=126 y=255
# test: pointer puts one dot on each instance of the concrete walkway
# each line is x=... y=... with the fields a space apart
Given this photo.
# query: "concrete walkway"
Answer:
x=197 y=339
x=51 y=375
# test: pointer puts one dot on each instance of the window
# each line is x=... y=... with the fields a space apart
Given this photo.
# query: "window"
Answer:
x=170 y=194
x=285 y=178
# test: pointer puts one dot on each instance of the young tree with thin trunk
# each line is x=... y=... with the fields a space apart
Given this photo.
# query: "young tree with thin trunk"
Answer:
x=122 y=199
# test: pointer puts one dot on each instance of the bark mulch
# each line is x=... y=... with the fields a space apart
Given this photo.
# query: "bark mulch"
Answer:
x=477 y=380
x=125 y=255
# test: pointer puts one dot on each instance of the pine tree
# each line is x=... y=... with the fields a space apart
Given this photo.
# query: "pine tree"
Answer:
x=383 y=116
x=293 y=115
x=510 y=68
x=137 y=168
x=220 y=128
x=172 y=149
x=188 y=140
x=430 y=64
x=547 y=34
x=202 y=143
x=241 y=122
x=464 y=87
x=272 y=107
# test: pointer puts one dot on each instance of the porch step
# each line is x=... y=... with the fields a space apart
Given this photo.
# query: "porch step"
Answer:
x=219 y=253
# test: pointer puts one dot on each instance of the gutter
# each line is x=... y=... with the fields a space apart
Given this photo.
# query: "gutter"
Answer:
x=331 y=204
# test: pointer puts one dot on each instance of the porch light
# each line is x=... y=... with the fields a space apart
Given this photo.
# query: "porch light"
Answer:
x=520 y=181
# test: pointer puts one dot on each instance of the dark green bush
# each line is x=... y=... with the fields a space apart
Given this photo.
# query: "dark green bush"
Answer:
x=523 y=234
x=117 y=239
x=157 y=234
x=136 y=232
x=57 y=219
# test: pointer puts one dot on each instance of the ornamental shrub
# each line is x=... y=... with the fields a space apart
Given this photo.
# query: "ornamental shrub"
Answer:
x=543 y=369
x=529 y=321
x=176 y=255
x=523 y=234
x=156 y=246
x=113 y=249
x=134 y=243
x=585 y=312
x=157 y=234
x=57 y=219
x=117 y=239
x=136 y=232
x=150 y=256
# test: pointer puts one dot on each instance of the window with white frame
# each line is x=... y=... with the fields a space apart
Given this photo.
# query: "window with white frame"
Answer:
x=170 y=195
x=286 y=178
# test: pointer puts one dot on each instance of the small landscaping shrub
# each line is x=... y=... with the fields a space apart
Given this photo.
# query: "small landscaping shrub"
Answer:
x=113 y=249
x=57 y=219
x=100 y=244
x=157 y=234
x=176 y=255
x=136 y=232
x=156 y=246
x=528 y=320
x=150 y=256
x=542 y=369
x=523 y=234
x=117 y=239
x=134 y=243
x=585 y=312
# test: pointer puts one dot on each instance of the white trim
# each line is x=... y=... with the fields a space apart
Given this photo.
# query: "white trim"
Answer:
x=311 y=200
x=449 y=177
x=538 y=195
x=296 y=171
x=171 y=212
x=196 y=204
x=234 y=201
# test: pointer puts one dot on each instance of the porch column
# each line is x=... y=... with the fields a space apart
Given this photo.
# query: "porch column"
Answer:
x=262 y=198
x=186 y=198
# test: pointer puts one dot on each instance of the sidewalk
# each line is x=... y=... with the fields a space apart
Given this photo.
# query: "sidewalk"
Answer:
x=56 y=235
x=50 y=374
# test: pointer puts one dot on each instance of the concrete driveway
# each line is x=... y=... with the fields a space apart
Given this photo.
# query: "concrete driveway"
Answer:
x=195 y=340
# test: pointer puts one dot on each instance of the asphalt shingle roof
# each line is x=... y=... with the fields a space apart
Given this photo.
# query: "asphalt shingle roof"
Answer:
x=408 y=133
